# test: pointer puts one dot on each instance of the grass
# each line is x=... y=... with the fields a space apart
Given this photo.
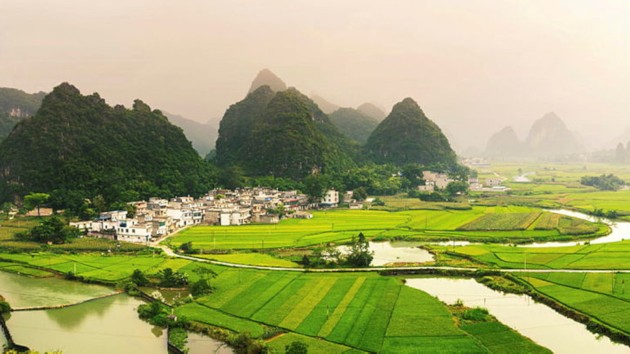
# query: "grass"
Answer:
x=315 y=345
x=499 y=338
x=9 y=240
x=258 y=259
x=204 y=314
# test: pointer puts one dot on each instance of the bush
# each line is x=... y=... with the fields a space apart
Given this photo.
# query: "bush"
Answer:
x=478 y=314
x=201 y=287
x=170 y=279
x=243 y=343
x=4 y=307
x=296 y=347
x=138 y=278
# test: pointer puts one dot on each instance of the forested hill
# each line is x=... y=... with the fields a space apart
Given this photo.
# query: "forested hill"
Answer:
x=16 y=105
x=353 y=123
x=408 y=136
x=282 y=134
x=78 y=147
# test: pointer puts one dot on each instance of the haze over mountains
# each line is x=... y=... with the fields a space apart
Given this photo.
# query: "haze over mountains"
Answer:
x=548 y=138
x=16 y=105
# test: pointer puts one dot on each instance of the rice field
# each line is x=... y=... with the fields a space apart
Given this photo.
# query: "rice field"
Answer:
x=366 y=311
x=484 y=224
x=609 y=256
x=330 y=311
x=601 y=296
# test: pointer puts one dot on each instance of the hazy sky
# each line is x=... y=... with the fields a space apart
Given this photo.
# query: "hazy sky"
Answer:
x=469 y=64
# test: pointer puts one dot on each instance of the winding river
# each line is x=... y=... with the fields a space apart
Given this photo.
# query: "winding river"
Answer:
x=537 y=321
x=620 y=230
x=109 y=324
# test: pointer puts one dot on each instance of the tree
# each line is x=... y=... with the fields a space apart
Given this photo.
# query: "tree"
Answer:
x=315 y=186
x=360 y=254
x=53 y=230
x=359 y=194
x=99 y=203
x=138 y=278
x=35 y=200
x=456 y=187
x=186 y=247
x=243 y=343
x=170 y=279
x=412 y=175
x=6 y=207
x=296 y=347
x=202 y=286
x=231 y=177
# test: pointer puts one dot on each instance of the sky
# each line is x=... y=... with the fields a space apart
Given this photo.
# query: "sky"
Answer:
x=474 y=66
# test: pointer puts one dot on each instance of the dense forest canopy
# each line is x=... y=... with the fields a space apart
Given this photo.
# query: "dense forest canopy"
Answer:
x=408 y=136
x=77 y=147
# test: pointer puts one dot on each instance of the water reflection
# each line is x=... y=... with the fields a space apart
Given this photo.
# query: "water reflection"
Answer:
x=108 y=325
x=73 y=316
x=387 y=253
x=22 y=291
x=536 y=321
x=198 y=344
x=620 y=230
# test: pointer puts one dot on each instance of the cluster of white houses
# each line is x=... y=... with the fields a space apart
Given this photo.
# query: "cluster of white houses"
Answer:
x=435 y=180
x=158 y=217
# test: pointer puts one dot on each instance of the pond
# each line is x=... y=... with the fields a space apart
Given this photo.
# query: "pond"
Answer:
x=537 y=321
x=107 y=325
x=388 y=253
x=200 y=344
x=23 y=291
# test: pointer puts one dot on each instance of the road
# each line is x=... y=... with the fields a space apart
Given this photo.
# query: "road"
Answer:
x=170 y=253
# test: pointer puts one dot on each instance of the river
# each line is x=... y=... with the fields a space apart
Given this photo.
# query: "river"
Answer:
x=620 y=230
x=537 y=321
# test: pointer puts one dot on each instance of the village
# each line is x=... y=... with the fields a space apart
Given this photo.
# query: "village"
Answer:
x=153 y=219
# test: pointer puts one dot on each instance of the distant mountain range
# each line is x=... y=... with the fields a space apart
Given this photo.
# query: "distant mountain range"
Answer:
x=202 y=135
x=548 y=138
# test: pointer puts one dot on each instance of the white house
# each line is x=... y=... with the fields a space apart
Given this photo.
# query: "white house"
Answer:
x=136 y=233
x=330 y=199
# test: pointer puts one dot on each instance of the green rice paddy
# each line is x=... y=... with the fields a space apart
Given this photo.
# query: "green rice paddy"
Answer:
x=509 y=223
